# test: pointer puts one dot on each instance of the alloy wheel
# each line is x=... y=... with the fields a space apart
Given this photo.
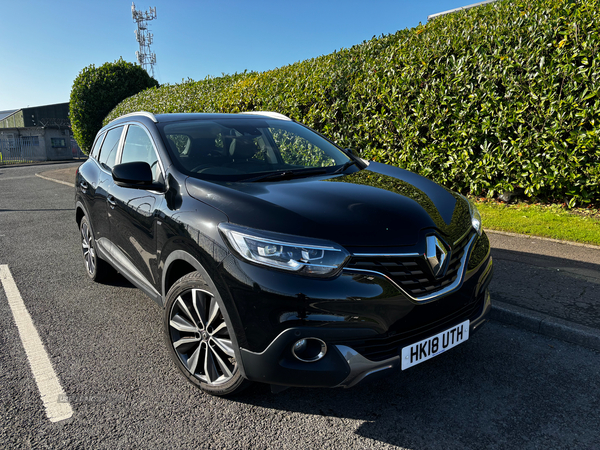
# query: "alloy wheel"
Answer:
x=87 y=244
x=200 y=337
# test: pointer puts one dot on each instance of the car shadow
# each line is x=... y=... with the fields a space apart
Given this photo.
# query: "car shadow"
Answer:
x=502 y=389
x=115 y=279
x=498 y=390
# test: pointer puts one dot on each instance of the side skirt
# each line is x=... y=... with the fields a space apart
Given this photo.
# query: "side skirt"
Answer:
x=115 y=257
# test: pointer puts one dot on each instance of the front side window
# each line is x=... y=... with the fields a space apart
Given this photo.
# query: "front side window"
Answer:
x=108 y=152
x=138 y=148
x=232 y=149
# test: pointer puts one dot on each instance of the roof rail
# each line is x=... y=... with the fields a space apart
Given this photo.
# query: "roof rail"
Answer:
x=147 y=114
x=450 y=11
x=273 y=115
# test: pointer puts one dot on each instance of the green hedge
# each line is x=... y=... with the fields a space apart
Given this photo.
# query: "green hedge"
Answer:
x=97 y=90
x=494 y=98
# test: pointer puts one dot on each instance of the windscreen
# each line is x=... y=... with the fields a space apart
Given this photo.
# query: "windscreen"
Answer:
x=240 y=148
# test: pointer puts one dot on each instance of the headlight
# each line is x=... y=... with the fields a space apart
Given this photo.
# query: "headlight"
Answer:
x=281 y=251
x=475 y=216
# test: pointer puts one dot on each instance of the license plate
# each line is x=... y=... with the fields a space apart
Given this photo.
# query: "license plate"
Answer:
x=432 y=346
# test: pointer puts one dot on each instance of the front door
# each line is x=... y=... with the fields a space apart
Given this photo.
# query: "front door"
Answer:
x=133 y=218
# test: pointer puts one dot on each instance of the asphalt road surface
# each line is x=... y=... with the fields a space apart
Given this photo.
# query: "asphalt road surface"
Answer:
x=504 y=388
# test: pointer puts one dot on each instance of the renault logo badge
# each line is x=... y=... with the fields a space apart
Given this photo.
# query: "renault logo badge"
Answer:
x=436 y=256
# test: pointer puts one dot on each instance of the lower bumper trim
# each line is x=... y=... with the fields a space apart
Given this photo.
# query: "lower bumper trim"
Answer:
x=343 y=366
x=361 y=367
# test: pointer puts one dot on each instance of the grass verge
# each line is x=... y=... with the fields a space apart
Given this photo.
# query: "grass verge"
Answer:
x=8 y=163
x=552 y=221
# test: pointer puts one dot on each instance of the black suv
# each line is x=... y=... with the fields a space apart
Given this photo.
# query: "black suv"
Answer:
x=277 y=256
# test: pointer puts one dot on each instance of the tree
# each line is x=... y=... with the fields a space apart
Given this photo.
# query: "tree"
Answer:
x=97 y=90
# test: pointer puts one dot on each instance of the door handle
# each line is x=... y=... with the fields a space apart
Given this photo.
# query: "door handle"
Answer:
x=84 y=185
x=111 y=201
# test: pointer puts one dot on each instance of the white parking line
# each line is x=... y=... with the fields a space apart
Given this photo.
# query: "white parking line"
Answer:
x=16 y=178
x=51 y=392
x=56 y=181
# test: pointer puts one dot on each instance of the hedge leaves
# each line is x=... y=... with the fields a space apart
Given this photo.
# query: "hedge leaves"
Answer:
x=97 y=90
x=491 y=99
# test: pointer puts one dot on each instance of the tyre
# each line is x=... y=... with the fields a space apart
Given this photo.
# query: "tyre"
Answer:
x=200 y=338
x=96 y=268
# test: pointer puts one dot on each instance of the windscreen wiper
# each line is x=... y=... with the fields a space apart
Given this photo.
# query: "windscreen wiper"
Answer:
x=283 y=174
x=345 y=166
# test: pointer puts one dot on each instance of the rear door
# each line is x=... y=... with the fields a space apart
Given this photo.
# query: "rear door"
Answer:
x=99 y=184
x=88 y=176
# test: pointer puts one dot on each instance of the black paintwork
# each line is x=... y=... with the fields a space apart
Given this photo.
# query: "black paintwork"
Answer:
x=148 y=233
x=134 y=175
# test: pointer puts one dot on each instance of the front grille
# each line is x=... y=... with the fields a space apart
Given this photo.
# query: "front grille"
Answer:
x=413 y=273
x=389 y=345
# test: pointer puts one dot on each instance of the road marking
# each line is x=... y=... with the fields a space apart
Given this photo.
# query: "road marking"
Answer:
x=51 y=392
x=16 y=178
x=56 y=181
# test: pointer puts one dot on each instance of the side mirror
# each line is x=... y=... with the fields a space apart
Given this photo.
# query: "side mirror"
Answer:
x=136 y=175
x=352 y=152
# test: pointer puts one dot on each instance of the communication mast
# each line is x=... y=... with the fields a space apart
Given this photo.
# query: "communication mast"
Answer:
x=144 y=55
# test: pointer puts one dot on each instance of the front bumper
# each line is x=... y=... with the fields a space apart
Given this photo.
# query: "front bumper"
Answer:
x=343 y=365
x=363 y=317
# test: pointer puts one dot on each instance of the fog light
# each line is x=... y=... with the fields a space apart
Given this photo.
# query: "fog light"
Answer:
x=309 y=349
x=300 y=346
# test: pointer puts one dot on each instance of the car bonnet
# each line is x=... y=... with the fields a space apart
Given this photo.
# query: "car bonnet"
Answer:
x=381 y=206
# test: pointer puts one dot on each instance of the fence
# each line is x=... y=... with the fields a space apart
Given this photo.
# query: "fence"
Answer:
x=18 y=149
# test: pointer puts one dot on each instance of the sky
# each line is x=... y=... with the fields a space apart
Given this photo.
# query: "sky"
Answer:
x=45 y=44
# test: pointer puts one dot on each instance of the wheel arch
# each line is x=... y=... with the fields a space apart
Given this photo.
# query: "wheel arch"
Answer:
x=80 y=211
x=178 y=264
